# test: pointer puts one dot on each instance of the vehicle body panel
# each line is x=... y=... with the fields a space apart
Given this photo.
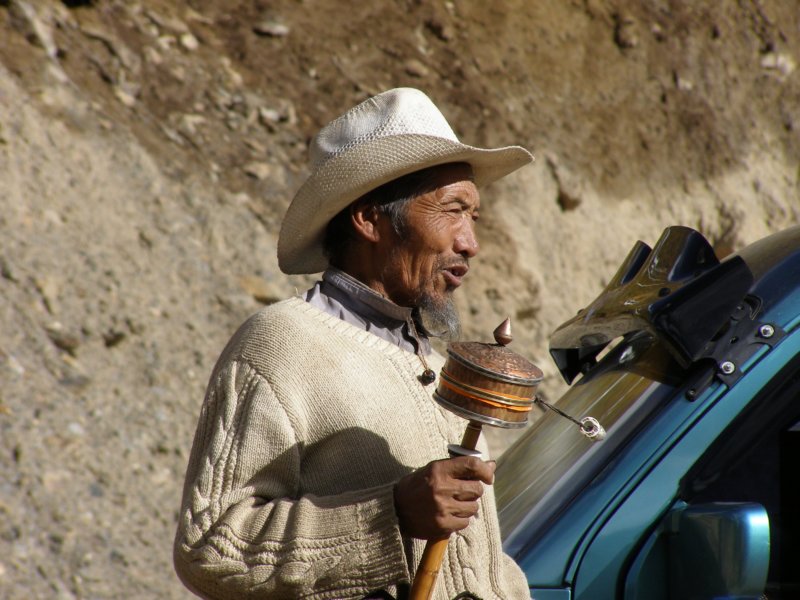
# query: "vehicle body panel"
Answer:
x=601 y=563
x=576 y=529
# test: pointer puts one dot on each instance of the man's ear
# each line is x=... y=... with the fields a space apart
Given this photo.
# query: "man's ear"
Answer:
x=364 y=217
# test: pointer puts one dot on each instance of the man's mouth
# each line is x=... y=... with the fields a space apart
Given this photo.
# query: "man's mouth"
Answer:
x=454 y=274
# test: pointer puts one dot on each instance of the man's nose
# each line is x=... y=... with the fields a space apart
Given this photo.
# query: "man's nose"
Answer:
x=466 y=241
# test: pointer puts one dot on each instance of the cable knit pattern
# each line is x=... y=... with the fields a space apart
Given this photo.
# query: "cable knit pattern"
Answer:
x=307 y=424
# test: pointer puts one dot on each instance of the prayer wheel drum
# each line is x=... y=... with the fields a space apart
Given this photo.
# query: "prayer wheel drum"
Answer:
x=488 y=383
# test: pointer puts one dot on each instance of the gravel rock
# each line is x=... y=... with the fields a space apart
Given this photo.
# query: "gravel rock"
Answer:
x=271 y=29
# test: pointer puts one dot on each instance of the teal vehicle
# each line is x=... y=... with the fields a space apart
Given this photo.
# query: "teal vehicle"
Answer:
x=692 y=366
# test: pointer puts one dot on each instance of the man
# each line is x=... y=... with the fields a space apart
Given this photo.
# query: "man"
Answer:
x=317 y=469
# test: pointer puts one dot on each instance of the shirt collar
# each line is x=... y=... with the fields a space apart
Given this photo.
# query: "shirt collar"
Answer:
x=365 y=295
x=374 y=306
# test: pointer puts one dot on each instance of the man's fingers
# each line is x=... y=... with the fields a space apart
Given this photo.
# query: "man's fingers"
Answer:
x=458 y=516
x=465 y=510
x=456 y=524
x=468 y=491
x=470 y=467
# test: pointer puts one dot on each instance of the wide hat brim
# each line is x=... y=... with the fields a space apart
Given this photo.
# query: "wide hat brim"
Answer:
x=346 y=177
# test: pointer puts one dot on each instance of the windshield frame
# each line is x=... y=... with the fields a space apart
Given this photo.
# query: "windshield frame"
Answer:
x=637 y=361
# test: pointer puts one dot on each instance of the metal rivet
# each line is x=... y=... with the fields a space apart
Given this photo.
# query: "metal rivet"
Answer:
x=727 y=367
x=766 y=331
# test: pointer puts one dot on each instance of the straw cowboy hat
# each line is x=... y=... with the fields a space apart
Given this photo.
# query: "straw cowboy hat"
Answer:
x=385 y=137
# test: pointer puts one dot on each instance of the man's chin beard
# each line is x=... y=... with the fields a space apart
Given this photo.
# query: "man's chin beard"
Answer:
x=440 y=316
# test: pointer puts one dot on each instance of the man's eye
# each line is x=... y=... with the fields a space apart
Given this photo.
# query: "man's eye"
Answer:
x=463 y=211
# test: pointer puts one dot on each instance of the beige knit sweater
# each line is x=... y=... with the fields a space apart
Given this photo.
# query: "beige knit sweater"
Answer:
x=307 y=424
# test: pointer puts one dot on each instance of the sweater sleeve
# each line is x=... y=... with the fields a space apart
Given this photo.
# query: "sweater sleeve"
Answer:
x=246 y=531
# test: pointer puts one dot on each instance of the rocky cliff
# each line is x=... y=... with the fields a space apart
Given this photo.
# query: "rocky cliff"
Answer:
x=149 y=148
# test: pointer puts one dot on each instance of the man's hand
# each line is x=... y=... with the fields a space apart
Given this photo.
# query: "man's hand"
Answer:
x=438 y=499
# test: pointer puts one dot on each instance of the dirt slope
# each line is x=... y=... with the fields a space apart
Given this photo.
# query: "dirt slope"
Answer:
x=148 y=150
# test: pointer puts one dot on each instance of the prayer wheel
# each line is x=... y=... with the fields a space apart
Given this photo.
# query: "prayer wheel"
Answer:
x=486 y=384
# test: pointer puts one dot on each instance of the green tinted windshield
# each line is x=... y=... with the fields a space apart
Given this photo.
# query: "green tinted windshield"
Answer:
x=625 y=387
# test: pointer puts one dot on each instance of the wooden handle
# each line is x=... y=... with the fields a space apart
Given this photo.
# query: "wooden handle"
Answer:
x=431 y=562
x=428 y=570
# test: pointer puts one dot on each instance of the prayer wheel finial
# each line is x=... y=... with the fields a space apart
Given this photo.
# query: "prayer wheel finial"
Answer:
x=502 y=335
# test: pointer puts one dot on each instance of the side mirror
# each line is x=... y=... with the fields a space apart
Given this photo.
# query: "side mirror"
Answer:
x=719 y=550
x=704 y=552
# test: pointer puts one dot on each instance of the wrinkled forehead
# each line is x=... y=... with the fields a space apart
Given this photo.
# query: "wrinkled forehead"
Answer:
x=451 y=192
x=442 y=176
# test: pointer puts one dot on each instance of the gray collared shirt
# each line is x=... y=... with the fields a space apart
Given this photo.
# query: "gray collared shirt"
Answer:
x=344 y=296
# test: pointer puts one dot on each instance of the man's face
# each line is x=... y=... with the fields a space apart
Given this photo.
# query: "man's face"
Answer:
x=428 y=261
